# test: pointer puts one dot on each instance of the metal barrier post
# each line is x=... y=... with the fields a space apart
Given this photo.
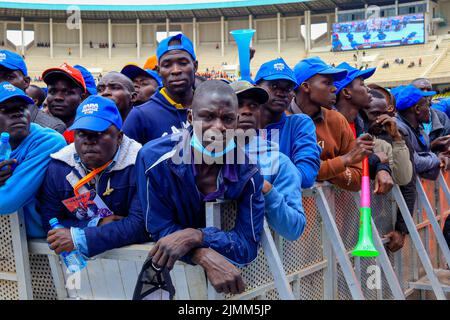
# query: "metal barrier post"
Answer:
x=20 y=248
x=434 y=222
x=415 y=237
x=338 y=246
x=213 y=219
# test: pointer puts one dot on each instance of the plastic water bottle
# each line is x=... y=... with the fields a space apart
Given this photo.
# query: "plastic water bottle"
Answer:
x=5 y=148
x=73 y=260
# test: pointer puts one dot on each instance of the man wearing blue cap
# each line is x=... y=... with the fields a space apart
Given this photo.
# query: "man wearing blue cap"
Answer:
x=105 y=159
x=296 y=134
x=438 y=127
x=31 y=144
x=119 y=88
x=341 y=155
x=352 y=97
x=413 y=106
x=14 y=70
x=166 y=111
x=145 y=82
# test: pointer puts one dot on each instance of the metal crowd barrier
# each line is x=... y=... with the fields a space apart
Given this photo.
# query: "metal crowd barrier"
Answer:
x=317 y=266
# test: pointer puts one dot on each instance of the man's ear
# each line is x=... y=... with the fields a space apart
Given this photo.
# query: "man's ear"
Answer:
x=119 y=138
x=134 y=95
x=346 y=93
x=195 y=65
x=84 y=95
x=27 y=81
x=305 y=87
x=190 y=118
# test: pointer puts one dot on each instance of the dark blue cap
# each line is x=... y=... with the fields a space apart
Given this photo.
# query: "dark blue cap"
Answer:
x=275 y=70
x=185 y=45
x=132 y=71
x=89 y=80
x=97 y=113
x=12 y=61
x=309 y=67
x=8 y=91
x=352 y=74
x=408 y=96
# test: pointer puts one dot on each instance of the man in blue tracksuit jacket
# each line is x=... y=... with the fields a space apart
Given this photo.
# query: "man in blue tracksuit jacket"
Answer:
x=174 y=186
x=31 y=146
x=166 y=111
x=98 y=143
x=282 y=181
x=296 y=134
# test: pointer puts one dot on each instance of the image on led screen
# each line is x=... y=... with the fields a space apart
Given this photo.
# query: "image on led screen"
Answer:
x=378 y=33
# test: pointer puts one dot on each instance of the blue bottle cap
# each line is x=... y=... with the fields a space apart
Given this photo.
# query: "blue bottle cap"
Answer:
x=4 y=137
x=53 y=222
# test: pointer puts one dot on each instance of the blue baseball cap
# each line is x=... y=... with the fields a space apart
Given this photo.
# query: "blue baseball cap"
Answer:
x=408 y=96
x=9 y=91
x=132 y=71
x=97 y=113
x=352 y=74
x=185 y=45
x=309 y=67
x=89 y=80
x=275 y=70
x=12 y=61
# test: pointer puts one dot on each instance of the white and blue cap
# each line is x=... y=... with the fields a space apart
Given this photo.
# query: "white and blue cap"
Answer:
x=12 y=61
x=275 y=70
x=309 y=67
x=97 y=113
x=352 y=74
x=8 y=91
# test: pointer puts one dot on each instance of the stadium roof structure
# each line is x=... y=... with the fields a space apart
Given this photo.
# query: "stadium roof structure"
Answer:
x=175 y=10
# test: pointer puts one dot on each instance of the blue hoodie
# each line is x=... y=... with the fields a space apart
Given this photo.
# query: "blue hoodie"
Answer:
x=33 y=157
x=297 y=139
x=283 y=203
x=153 y=119
x=171 y=201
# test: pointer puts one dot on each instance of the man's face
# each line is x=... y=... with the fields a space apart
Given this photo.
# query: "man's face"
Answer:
x=361 y=96
x=145 y=87
x=63 y=99
x=322 y=91
x=248 y=113
x=280 y=92
x=97 y=148
x=15 y=119
x=15 y=77
x=114 y=86
x=212 y=116
x=423 y=110
x=424 y=85
x=377 y=108
x=177 y=70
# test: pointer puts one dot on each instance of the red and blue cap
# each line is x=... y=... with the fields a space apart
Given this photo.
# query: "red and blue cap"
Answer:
x=12 y=61
x=8 y=91
x=132 y=71
x=97 y=113
x=184 y=45
x=309 y=67
x=352 y=74
x=276 y=69
x=408 y=96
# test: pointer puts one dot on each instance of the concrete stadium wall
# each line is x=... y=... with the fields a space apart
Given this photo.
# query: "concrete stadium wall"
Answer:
x=95 y=32
x=444 y=8
x=267 y=29
x=209 y=32
x=63 y=35
x=124 y=34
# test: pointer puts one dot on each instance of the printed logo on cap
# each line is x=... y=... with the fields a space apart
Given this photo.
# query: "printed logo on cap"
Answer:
x=65 y=68
x=9 y=87
x=2 y=56
x=90 y=108
x=279 y=66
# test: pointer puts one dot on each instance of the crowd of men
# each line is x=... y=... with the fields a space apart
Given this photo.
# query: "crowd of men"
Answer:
x=150 y=146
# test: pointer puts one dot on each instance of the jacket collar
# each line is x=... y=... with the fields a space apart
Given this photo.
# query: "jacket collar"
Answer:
x=435 y=122
x=127 y=156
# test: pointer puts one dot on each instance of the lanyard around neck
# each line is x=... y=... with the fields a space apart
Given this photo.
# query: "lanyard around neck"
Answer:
x=89 y=177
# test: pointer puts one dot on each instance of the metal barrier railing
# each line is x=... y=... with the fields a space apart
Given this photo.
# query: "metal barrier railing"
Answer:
x=317 y=266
